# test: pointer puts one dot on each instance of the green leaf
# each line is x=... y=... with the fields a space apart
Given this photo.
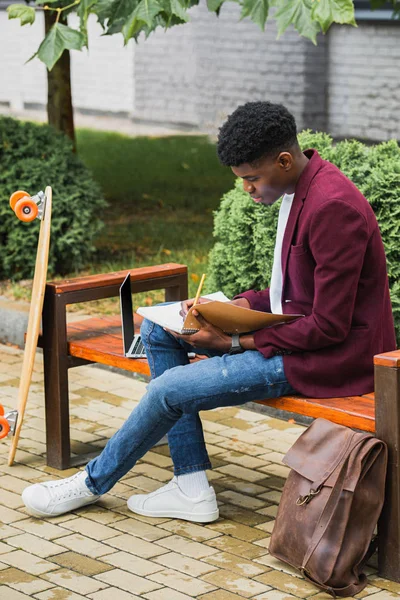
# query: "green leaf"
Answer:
x=214 y=5
x=257 y=10
x=179 y=10
x=326 y=12
x=144 y=14
x=298 y=14
x=84 y=9
x=59 y=38
x=23 y=12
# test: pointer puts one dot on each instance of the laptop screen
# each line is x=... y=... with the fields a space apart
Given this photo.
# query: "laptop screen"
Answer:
x=125 y=295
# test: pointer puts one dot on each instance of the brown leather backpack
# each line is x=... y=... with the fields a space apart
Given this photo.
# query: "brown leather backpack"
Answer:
x=330 y=506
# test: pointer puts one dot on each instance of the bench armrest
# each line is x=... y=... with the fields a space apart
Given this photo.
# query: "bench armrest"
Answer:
x=171 y=277
x=116 y=278
x=388 y=359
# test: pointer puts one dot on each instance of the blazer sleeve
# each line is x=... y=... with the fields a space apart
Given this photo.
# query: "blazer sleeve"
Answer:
x=338 y=238
x=258 y=300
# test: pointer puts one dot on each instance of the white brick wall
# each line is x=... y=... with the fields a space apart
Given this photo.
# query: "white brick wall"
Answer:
x=196 y=74
x=364 y=81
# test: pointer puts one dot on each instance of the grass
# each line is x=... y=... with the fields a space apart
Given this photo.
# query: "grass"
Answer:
x=161 y=193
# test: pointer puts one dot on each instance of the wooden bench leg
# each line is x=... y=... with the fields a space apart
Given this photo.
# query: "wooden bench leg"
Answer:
x=56 y=381
x=387 y=406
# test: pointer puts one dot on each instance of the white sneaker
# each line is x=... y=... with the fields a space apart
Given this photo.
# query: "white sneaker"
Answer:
x=54 y=498
x=170 y=501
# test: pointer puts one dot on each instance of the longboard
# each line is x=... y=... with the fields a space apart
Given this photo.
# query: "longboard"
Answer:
x=27 y=209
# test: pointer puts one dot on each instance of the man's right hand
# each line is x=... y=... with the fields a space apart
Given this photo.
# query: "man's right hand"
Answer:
x=186 y=305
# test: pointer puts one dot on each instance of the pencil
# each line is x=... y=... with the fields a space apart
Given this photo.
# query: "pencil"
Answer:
x=199 y=289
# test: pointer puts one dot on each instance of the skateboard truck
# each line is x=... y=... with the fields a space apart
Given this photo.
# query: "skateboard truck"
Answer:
x=12 y=418
x=8 y=422
x=26 y=207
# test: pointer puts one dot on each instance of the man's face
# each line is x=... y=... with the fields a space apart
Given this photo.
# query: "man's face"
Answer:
x=268 y=180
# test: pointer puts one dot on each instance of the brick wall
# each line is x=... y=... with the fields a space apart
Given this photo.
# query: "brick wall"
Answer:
x=196 y=74
x=364 y=81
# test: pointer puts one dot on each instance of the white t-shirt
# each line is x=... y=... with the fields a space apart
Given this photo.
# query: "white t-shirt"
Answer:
x=275 y=288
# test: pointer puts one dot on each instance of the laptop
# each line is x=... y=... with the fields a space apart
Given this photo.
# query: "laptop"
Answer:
x=133 y=345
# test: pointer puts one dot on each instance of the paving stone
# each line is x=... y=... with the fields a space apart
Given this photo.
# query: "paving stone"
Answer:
x=242 y=487
x=237 y=530
x=233 y=582
x=242 y=500
x=10 y=594
x=101 y=514
x=141 y=548
x=75 y=582
x=132 y=564
x=250 y=462
x=40 y=528
x=80 y=563
x=185 y=564
x=9 y=499
x=275 y=595
x=35 y=545
x=220 y=595
x=28 y=562
x=186 y=547
x=141 y=530
x=242 y=515
x=84 y=545
x=234 y=546
x=127 y=581
x=182 y=583
x=90 y=528
x=379 y=582
x=288 y=584
x=19 y=580
x=8 y=515
x=113 y=592
x=166 y=594
x=190 y=530
x=237 y=564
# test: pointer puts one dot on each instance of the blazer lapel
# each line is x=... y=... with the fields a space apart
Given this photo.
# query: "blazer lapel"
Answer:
x=314 y=164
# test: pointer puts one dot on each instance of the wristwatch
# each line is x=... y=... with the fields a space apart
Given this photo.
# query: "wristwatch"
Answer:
x=236 y=348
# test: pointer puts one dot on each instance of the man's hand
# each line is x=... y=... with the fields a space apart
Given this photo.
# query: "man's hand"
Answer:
x=208 y=336
x=186 y=305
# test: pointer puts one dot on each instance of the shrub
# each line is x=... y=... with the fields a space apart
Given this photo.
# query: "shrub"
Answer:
x=245 y=232
x=33 y=156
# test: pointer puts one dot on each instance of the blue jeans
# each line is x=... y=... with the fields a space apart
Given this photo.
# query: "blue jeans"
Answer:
x=177 y=392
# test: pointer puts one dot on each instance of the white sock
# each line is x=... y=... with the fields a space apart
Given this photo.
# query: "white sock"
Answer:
x=192 y=484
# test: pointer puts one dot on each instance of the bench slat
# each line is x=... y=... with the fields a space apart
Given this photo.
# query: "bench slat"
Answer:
x=100 y=340
x=353 y=411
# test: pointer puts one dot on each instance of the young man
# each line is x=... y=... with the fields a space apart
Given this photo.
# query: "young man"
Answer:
x=329 y=265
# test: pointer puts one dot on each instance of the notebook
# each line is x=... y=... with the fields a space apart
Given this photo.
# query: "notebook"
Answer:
x=133 y=345
x=168 y=315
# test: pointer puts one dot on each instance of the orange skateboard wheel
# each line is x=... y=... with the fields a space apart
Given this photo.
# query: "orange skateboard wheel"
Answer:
x=17 y=196
x=26 y=210
x=4 y=427
x=1 y=411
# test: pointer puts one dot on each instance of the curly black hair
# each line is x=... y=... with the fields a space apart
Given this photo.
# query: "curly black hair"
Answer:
x=255 y=130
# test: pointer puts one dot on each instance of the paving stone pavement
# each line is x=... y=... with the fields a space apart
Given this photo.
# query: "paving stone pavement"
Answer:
x=104 y=551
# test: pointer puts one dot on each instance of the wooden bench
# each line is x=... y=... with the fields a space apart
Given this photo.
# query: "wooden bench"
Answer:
x=99 y=340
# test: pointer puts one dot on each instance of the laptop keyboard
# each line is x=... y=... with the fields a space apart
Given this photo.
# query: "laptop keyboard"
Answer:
x=137 y=350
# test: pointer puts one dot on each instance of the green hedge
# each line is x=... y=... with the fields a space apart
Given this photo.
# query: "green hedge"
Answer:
x=245 y=232
x=33 y=156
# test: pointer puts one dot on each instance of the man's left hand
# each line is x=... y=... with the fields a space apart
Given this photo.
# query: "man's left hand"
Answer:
x=208 y=336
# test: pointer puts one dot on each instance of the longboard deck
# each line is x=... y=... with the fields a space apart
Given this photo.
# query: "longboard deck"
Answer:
x=35 y=315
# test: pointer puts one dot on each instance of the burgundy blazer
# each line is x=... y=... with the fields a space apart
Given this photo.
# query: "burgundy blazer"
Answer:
x=334 y=273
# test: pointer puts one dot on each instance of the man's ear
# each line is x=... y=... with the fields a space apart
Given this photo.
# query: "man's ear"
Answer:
x=285 y=160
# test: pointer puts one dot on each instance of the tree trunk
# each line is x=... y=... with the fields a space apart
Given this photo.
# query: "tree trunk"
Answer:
x=59 y=98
